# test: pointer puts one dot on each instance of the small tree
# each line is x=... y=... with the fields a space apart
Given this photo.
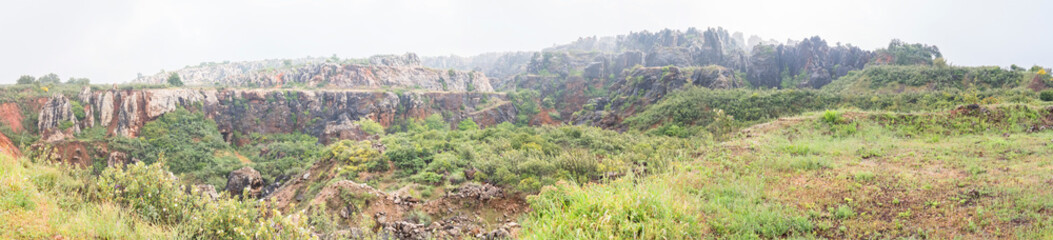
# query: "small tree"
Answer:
x=174 y=80
x=369 y=126
x=50 y=78
x=939 y=62
x=435 y=122
x=467 y=124
x=1046 y=95
x=26 y=79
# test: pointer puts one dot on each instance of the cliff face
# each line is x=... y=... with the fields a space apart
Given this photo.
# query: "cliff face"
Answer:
x=811 y=63
x=323 y=114
x=645 y=86
x=57 y=120
x=402 y=71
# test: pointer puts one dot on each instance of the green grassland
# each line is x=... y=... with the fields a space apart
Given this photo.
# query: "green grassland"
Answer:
x=889 y=152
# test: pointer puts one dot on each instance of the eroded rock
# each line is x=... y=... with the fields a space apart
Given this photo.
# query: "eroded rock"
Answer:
x=245 y=180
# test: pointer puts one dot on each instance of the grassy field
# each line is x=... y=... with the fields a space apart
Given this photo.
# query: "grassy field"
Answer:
x=41 y=201
x=974 y=174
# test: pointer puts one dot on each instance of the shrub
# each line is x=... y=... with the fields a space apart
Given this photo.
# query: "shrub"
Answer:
x=1046 y=95
x=435 y=122
x=369 y=126
x=427 y=178
x=189 y=140
x=154 y=194
x=149 y=190
x=174 y=80
x=467 y=124
x=357 y=155
x=832 y=117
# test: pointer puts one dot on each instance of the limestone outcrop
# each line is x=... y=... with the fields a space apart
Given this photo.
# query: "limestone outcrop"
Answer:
x=403 y=71
x=57 y=120
x=323 y=114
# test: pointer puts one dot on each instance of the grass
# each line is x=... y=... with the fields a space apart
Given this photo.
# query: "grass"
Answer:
x=801 y=178
x=35 y=205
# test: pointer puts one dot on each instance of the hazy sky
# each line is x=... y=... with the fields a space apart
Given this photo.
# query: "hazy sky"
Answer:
x=111 y=41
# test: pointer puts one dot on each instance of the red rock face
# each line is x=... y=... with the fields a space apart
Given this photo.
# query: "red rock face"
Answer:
x=75 y=153
x=8 y=148
x=11 y=115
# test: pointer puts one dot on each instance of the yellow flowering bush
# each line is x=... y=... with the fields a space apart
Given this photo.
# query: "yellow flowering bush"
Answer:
x=154 y=194
x=357 y=156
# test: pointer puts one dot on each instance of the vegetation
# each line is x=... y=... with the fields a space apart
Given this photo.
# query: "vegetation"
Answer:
x=940 y=78
x=42 y=200
x=911 y=148
x=192 y=142
x=174 y=80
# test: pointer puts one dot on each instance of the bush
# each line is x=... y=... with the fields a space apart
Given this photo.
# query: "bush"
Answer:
x=149 y=190
x=276 y=155
x=369 y=126
x=832 y=117
x=1046 y=95
x=189 y=140
x=467 y=124
x=174 y=80
x=154 y=194
x=357 y=155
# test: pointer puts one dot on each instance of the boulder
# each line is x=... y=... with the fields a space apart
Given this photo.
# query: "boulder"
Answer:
x=119 y=159
x=476 y=191
x=245 y=179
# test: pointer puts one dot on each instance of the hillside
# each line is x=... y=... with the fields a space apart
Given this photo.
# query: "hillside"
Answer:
x=671 y=134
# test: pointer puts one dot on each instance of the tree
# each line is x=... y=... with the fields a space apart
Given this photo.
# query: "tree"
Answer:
x=49 y=78
x=78 y=81
x=174 y=80
x=369 y=126
x=26 y=79
x=910 y=54
x=939 y=62
x=435 y=122
x=467 y=124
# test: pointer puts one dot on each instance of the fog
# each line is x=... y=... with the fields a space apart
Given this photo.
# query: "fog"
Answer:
x=112 y=41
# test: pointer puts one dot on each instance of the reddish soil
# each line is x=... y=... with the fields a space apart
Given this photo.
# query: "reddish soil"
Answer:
x=11 y=115
x=8 y=148
x=75 y=153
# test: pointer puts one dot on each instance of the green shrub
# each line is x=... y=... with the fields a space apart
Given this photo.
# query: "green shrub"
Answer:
x=78 y=110
x=426 y=177
x=1046 y=95
x=275 y=155
x=844 y=212
x=149 y=190
x=436 y=122
x=189 y=140
x=467 y=125
x=568 y=211
x=356 y=156
x=369 y=126
x=155 y=195
x=832 y=117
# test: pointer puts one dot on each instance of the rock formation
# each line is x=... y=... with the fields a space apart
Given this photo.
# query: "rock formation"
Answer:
x=382 y=71
x=56 y=120
x=323 y=114
x=245 y=180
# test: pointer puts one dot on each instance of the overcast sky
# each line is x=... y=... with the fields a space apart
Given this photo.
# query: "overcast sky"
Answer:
x=112 y=41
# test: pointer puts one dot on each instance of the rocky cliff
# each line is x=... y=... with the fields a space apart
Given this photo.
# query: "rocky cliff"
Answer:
x=810 y=63
x=403 y=71
x=645 y=86
x=323 y=114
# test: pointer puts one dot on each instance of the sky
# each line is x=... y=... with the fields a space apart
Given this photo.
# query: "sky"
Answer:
x=113 y=41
